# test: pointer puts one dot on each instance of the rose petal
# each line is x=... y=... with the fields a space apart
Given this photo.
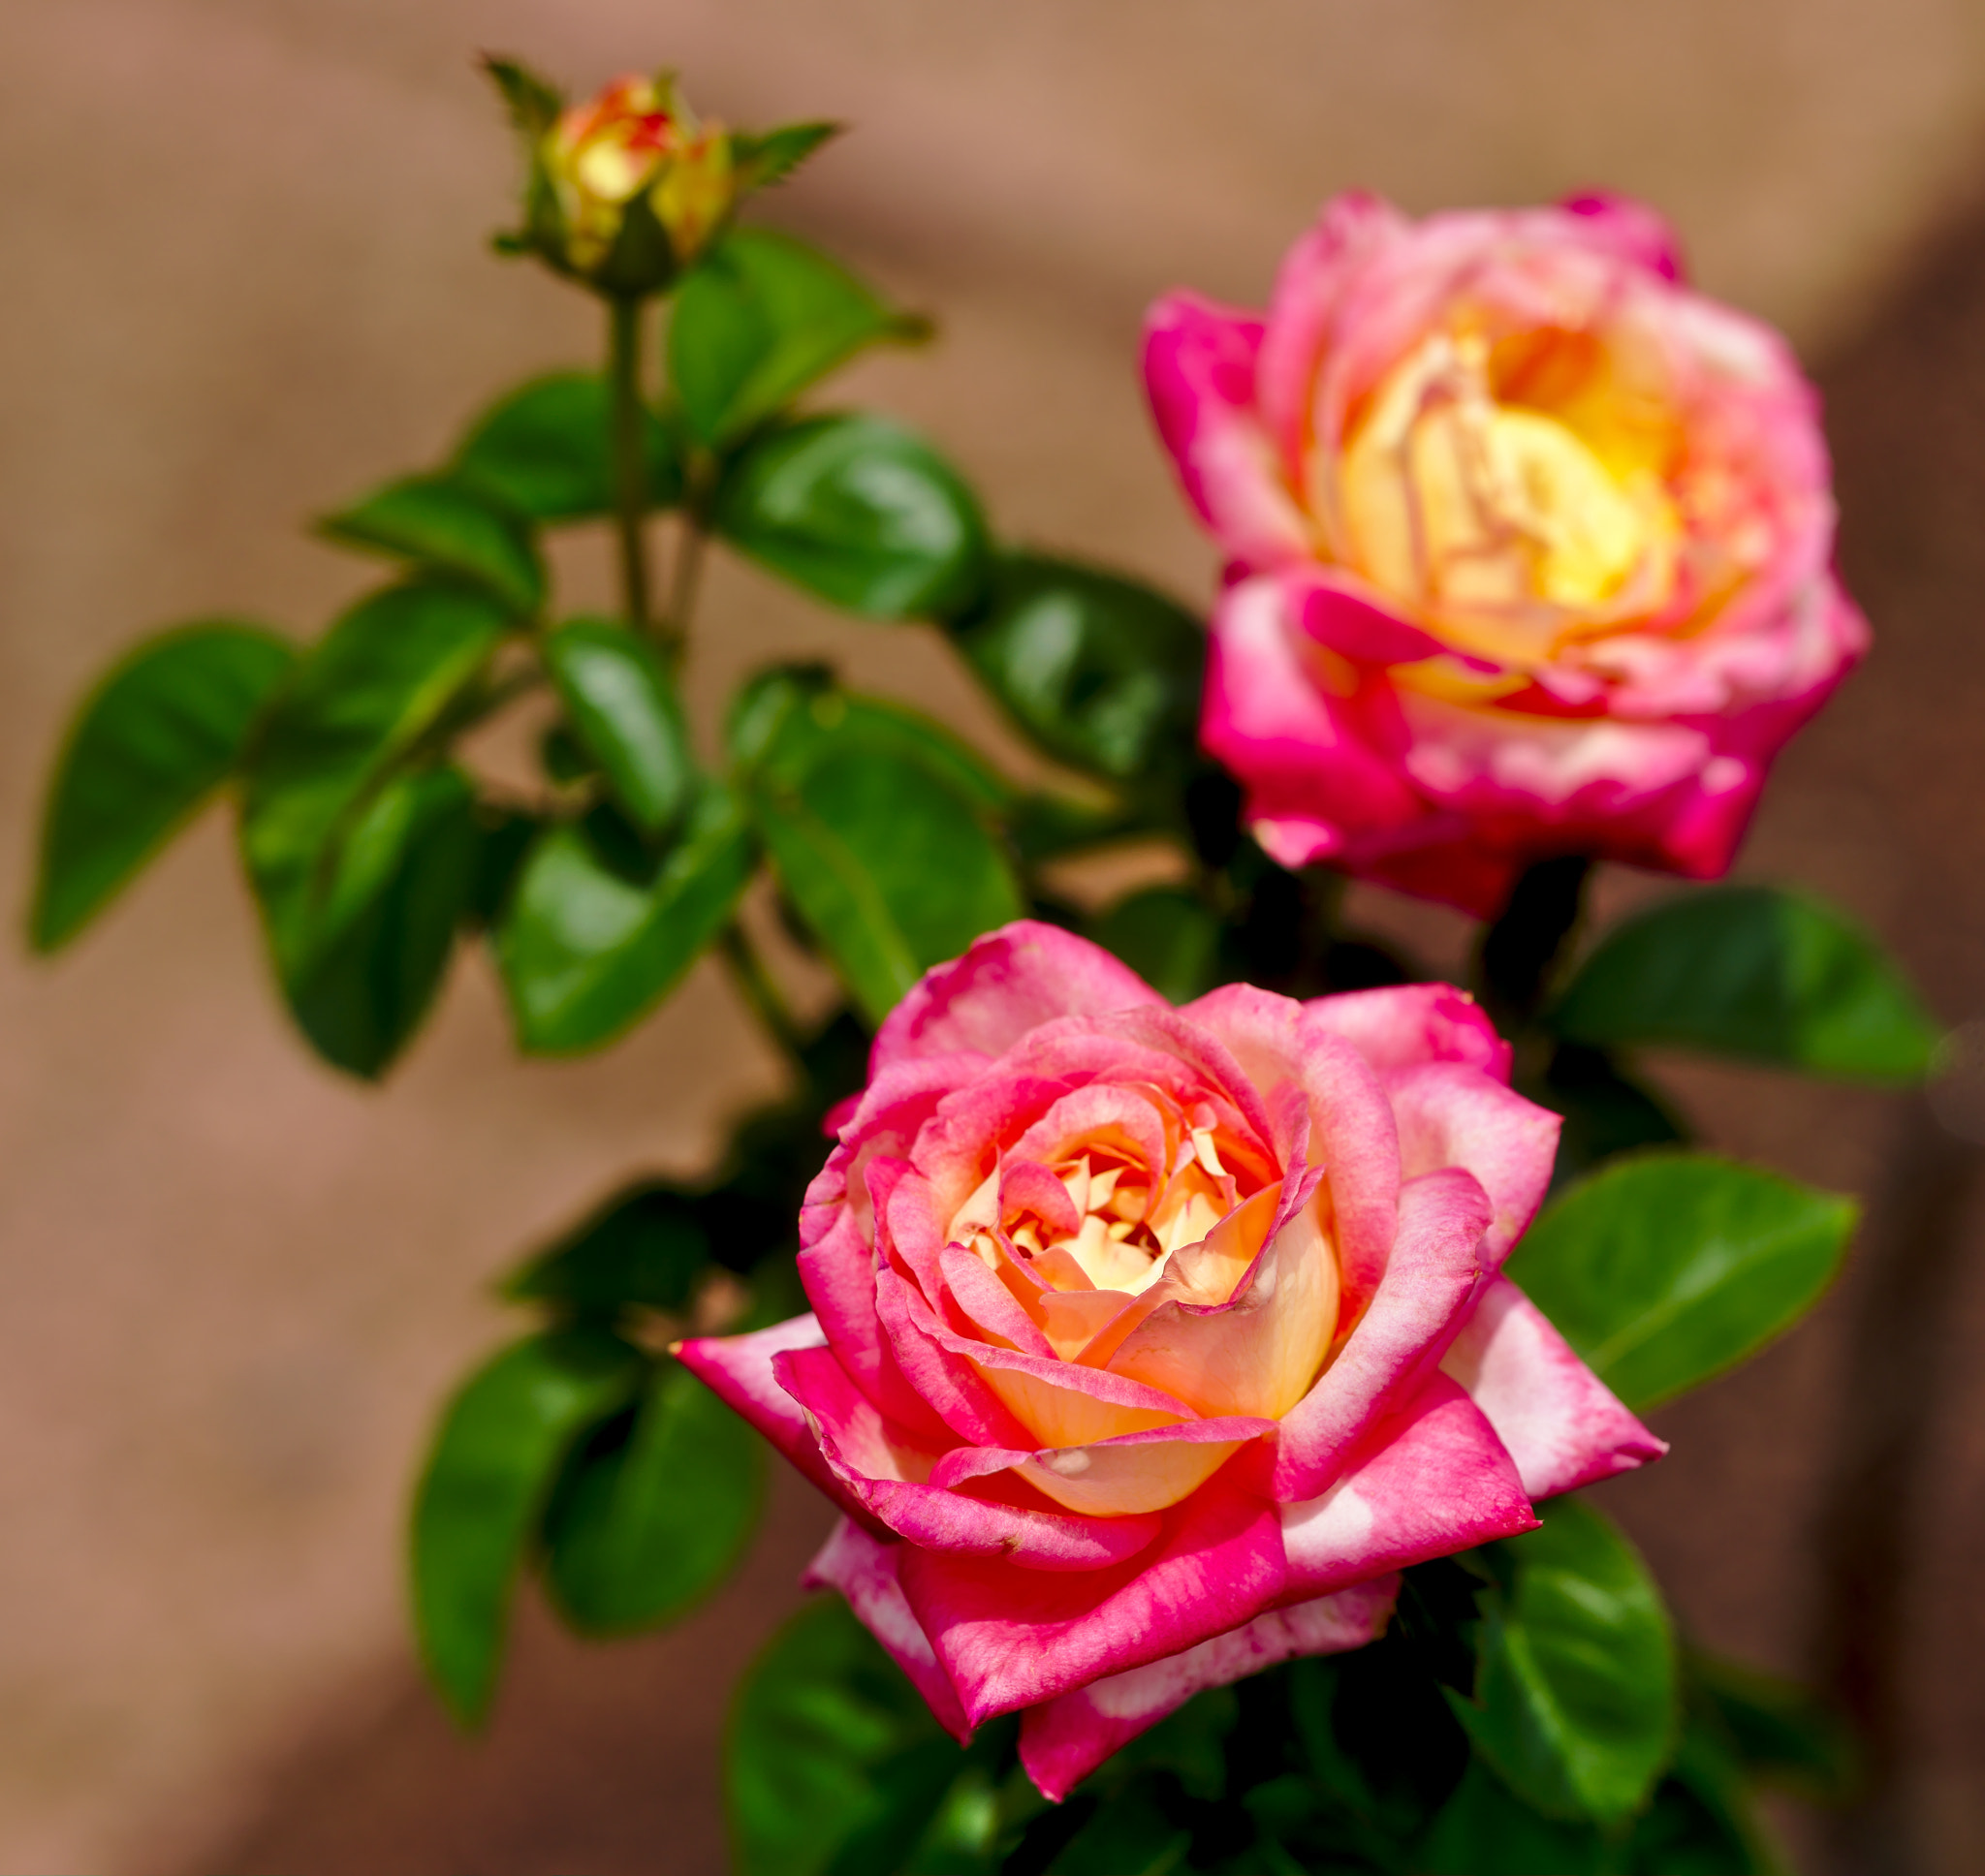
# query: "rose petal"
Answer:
x=1146 y=1471
x=1011 y=981
x=1450 y=1115
x=1217 y=1564
x=863 y=1569
x=1430 y=1481
x=1405 y=1024
x=1431 y=1279
x=1563 y=1427
x=1062 y=1740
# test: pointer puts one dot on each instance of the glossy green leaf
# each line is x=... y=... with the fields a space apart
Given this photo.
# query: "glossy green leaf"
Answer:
x=1666 y=1269
x=827 y=1740
x=643 y=1529
x=623 y=708
x=448 y=525
x=878 y=844
x=545 y=450
x=1754 y=972
x=494 y=1460
x=594 y=937
x=763 y=158
x=385 y=677
x=155 y=738
x=645 y=1247
x=1167 y=936
x=764 y=316
x=860 y=513
x=1575 y=1693
x=1103 y=673
x=366 y=959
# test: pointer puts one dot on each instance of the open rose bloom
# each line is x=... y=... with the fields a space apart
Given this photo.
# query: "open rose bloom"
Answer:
x=1528 y=546
x=1148 y=1344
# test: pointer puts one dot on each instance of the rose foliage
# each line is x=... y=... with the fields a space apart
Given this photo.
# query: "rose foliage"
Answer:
x=1157 y=1289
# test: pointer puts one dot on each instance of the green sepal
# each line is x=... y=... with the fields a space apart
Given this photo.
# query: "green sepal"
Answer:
x=159 y=731
x=497 y=1455
x=760 y=157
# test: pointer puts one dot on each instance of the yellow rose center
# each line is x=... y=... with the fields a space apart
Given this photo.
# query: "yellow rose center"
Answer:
x=1502 y=519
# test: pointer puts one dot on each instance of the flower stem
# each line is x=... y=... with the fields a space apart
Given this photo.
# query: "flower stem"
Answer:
x=630 y=468
x=755 y=985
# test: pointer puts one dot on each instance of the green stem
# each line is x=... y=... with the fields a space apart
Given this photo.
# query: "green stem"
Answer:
x=630 y=467
x=755 y=985
x=689 y=546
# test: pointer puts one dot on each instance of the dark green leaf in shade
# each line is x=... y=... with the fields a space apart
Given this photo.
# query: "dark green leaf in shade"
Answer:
x=645 y=1526
x=759 y=158
x=878 y=841
x=545 y=450
x=860 y=513
x=1754 y=972
x=623 y=708
x=597 y=931
x=159 y=731
x=1702 y=1821
x=1047 y=826
x=645 y=1246
x=1485 y=1829
x=384 y=677
x=1575 y=1696
x=370 y=954
x=1665 y=1268
x=1779 y=1734
x=1167 y=936
x=1128 y=1835
x=495 y=1457
x=1606 y=1111
x=448 y=525
x=1103 y=673
x=761 y=318
x=504 y=836
x=827 y=1740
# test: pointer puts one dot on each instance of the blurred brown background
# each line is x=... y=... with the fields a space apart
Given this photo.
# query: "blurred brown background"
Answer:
x=246 y=276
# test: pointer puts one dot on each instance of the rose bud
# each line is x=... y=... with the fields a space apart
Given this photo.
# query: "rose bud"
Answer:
x=1149 y=1345
x=1528 y=546
x=626 y=188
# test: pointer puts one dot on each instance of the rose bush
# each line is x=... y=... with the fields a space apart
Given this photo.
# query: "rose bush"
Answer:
x=1529 y=546
x=1147 y=1344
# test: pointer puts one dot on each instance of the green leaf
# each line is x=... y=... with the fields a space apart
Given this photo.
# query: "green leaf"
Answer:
x=762 y=158
x=1666 y=1269
x=545 y=450
x=1167 y=936
x=872 y=833
x=1485 y=1829
x=1128 y=1836
x=1701 y=1822
x=371 y=955
x=1754 y=972
x=1103 y=673
x=827 y=1740
x=860 y=513
x=159 y=733
x=595 y=937
x=494 y=1459
x=1780 y=1733
x=534 y=104
x=1575 y=1693
x=644 y=1246
x=447 y=524
x=763 y=317
x=625 y=712
x=643 y=1529
x=386 y=677
x=1606 y=1113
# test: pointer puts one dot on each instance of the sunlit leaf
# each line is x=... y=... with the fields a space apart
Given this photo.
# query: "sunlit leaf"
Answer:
x=1665 y=1268
x=623 y=708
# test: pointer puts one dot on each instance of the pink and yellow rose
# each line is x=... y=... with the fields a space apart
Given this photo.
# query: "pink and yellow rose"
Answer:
x=1147 y=1344
x=1529 y=546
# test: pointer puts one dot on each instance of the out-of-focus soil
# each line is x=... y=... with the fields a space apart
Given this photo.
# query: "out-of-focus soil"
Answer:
x=246 y=278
